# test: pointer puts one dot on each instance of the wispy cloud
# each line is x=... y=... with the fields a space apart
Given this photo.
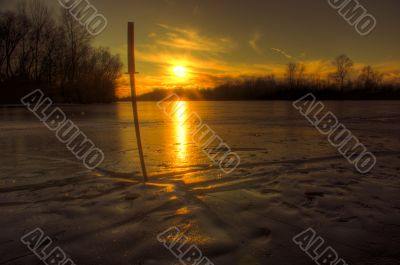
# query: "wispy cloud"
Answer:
x=253 y=42
x=287 y=55
x=191 y=39
x=209 y=60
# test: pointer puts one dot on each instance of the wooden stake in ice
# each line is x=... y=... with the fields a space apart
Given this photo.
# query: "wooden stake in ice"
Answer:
x=132 y=72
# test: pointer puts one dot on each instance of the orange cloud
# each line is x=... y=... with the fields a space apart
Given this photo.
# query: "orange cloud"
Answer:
x=190 y=39
x=204 y=57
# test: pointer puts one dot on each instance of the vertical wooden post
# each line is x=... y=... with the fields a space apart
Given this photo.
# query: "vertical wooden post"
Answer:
x=132 y=72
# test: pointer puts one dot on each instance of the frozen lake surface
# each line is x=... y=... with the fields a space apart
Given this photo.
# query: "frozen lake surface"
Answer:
x=290 y=178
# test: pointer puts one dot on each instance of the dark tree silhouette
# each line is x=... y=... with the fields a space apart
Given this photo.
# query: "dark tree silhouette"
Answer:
x=369 y=78
x=295 y=75
x=343 y=66
x=53 y=53
x=295 y=84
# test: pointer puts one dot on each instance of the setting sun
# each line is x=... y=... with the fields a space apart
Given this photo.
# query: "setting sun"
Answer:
x=180 y=71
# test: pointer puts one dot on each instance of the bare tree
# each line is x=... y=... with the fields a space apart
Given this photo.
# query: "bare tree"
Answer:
x=370 y=78
x=13 y=28
x=295 y=74
x=77 y=41
x=291 y=71
x=343 y=66
x=3 y=35
x=39 y=16
x=301 y=78
x=55 y=52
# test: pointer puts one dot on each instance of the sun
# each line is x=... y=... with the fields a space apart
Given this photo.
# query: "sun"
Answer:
x=180 y=71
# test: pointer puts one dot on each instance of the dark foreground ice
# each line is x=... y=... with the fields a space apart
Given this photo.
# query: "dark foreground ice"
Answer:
x=290 y=178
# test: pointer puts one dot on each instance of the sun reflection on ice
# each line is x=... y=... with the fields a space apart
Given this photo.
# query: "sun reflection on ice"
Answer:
x=181 y=130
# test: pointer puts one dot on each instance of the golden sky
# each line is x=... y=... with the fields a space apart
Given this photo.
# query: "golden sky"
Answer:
x=218 y=40
x=183 y=57
x=212 y=41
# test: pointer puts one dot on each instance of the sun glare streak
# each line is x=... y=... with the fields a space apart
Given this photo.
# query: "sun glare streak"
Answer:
x=181 y=129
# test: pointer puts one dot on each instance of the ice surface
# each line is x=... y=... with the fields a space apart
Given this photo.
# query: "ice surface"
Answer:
x=290 y=179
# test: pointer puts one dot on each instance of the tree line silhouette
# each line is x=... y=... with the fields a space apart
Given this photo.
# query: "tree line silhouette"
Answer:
x=341 y=84
x=39 y=49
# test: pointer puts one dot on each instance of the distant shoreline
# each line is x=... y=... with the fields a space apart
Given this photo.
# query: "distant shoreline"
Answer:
x=11 y=106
